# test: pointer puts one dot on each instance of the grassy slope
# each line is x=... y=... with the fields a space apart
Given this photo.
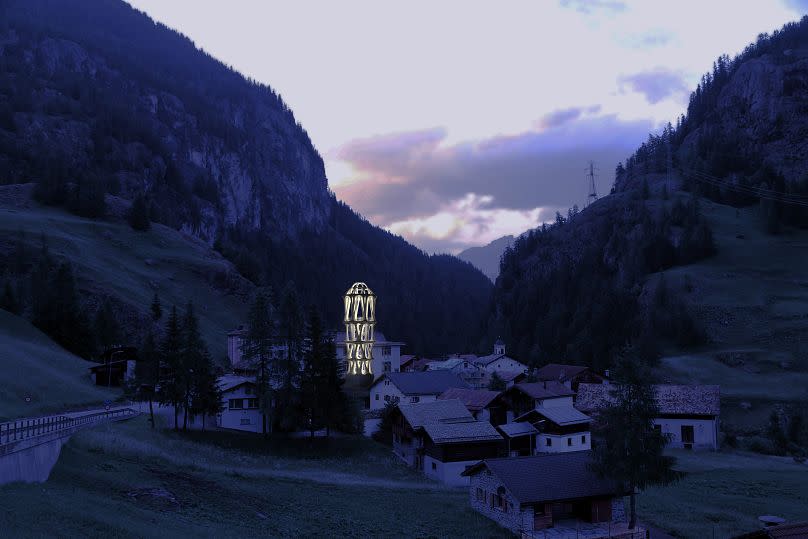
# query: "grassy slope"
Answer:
x=724 y=493
x=232 y=492
x=112 y=259
x=33 y=365
x=752 y=299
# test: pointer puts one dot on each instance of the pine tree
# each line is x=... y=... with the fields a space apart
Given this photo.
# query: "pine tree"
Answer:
x=496 y=383
x=207 y=397
x=147 y=371
x=256 y=351
x=285 y=374
x=156 y=308
x=9 y=300
x=314 y=389
x=628 y=448
x=107 y=330
x=172 y=365
x=194 y=361
x=138 y=216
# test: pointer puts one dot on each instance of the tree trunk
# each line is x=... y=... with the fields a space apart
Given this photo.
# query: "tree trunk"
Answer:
x=264 y=424
x=151 y=411
x=176 y=418
x=203 y=421
x=184 y=418
x=633 y=511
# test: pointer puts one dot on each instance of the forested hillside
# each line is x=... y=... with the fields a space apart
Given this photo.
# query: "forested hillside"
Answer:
x=100 y=106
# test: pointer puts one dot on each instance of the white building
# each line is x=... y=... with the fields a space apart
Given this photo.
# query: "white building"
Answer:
x=474 y=375
x=499 y=362
x=240 y=404
x=411 y=387
x=688 y=413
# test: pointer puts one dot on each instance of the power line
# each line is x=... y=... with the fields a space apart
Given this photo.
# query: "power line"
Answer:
x=759 y=192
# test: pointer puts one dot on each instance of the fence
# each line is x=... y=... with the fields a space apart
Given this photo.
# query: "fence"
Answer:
x=15 y=431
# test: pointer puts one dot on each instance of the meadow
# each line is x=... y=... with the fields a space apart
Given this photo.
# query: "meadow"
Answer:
x=723 y=494
x=126 y=480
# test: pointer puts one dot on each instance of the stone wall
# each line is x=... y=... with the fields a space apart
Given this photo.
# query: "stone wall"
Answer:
x=515 y=519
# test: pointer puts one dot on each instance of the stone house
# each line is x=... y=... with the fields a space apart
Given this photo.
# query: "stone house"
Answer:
x=689 y=414
x=554 y=490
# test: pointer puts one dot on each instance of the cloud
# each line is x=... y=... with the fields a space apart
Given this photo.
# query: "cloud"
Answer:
x=647 y=40
x=590 y=6
x=559 y=117
x=656 y=84
x=800 y=6
x=442 y=197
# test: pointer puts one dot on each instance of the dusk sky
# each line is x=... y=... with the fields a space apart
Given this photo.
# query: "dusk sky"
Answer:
x=453 y=123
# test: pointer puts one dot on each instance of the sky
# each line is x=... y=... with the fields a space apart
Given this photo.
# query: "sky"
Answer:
x=454 y=123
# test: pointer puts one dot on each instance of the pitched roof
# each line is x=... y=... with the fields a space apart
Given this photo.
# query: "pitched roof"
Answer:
x=512 y=430
x=230 y=381
x=549 y=477
x=508 y=376
x=793 y=530
x=558 y=371
x=424 y=383
x=544 y=390
x=418 y=415
x=466 y=431
x=473 y=399
x=487 y=360
x=562 y=415
x=671 y=399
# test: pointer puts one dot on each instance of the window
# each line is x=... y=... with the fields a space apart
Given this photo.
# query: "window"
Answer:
x=548 y=442
x=377 y=396
x=414 y=399
x=658 y=428
x=434 y=466
x=245 y=420
x=236 y=404
x=252 y=404
x=569 y=442
x=480 y=495
x=498 y=500
x=388 y=366
x=385 y=350
x=583 y=439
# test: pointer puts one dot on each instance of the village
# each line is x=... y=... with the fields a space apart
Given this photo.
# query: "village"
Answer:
x=519 y=439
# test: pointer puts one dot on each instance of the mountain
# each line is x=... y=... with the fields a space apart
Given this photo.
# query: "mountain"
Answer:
x=703 y=267
x=486 y=258
x=100 y=105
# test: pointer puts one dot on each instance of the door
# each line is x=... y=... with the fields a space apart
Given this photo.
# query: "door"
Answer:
x=688 y=436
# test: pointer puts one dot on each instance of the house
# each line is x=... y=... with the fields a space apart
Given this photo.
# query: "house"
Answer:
x=569 y=375
x=548 y=408
x=411 y=387
x=476 y=401
x=406 y=361
x=554 y=490
x=688 y=413
x=498 y=361
x=441 y=438
x=240 y=404
x=473 y=374
x=386 y=354
x=526 y=396
x=416 y=365
x=117 y=367
x=509 y=377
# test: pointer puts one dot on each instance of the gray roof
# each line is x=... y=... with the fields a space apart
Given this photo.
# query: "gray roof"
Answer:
x=544 y=390
x=467 y=431
x=549 y=477
x=512 y=430
x=473 y=399
x=671 y=399
x=424 y=383
x=487 y=360
x=557 y=371
x=418 y=415
x=563 y=415
x=231 y=381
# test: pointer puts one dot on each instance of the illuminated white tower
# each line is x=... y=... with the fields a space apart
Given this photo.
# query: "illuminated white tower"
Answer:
x=360 y=320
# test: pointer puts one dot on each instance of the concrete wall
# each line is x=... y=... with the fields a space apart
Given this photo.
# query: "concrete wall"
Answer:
x=705 y=432
x=248 y=420
x=560 y=443
x=447 y=472
x=505 y=364
x=384 y=388
x=32 y=464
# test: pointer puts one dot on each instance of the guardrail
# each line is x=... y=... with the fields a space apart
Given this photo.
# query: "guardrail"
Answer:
x=15 y=431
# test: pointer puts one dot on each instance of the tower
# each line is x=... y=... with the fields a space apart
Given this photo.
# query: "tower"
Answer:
x=593 y=193
x=360 y=321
